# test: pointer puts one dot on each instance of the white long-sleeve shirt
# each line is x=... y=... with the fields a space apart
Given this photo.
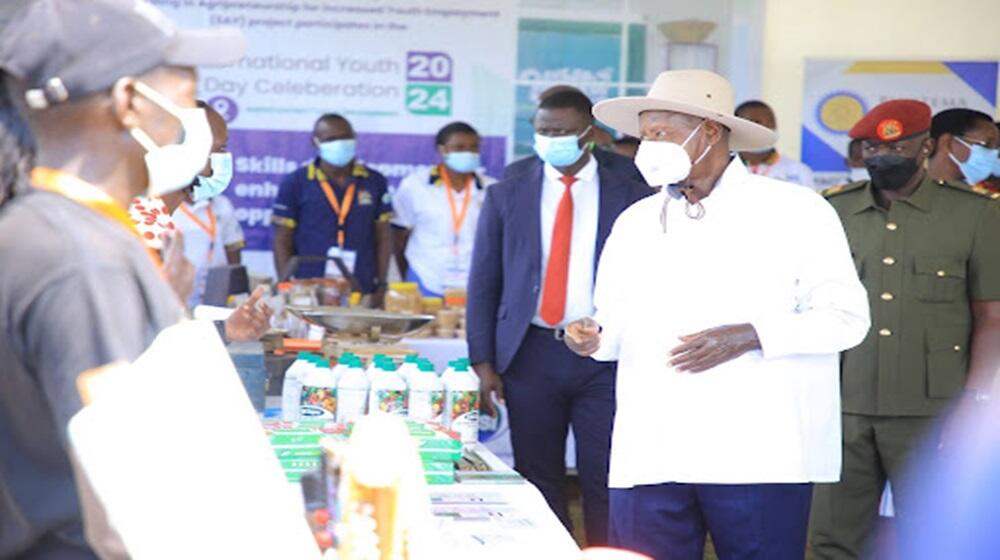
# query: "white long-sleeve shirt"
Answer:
x=766 y=253
x=583 y=242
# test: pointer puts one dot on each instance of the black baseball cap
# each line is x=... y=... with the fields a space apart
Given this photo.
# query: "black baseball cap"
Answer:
x=67 y=49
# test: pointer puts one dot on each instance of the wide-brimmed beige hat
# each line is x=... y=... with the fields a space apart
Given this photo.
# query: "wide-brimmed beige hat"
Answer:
x=693 y=92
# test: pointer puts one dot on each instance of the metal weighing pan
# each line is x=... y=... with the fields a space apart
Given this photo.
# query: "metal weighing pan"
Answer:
x=356 y=321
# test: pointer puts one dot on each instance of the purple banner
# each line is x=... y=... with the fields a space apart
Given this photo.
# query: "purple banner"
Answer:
x=263 y=158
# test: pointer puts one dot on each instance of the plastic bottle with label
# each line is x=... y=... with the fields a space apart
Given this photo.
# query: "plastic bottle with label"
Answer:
x=291 y=387
x=319 y=392
x=388 y=391
x=352 y=393
x=426 y=395
x=373 y=366
x=343 y=364
x=462 y=401
x=409 y=367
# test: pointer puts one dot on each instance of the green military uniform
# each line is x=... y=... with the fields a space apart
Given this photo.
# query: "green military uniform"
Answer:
x=922 y=262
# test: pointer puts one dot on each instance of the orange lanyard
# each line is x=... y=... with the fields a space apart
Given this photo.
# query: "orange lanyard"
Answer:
x=210 y=228
x=340 y=211
x=457 y=218
x=93 y=198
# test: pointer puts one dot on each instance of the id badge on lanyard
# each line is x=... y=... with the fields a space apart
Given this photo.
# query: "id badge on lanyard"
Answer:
x=349 y=257
x=456 y=273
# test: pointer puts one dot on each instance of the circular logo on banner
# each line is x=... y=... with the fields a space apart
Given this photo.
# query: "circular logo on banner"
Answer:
x=225 y=107
x=839 y=111
x=889 y=129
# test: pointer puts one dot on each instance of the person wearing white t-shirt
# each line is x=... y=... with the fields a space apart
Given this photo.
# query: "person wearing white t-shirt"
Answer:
x=767 y=161
x=212 y=237
x=436 y=211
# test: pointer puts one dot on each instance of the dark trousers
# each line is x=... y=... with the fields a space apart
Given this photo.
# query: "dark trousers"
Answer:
x=876 y=449
x=548 y=389
x=746 y=521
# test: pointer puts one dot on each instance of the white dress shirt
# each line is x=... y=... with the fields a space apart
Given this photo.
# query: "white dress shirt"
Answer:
x=228 y=233
x=783 y=168
x=583 y=243
x=766 y=253
x=421 y=206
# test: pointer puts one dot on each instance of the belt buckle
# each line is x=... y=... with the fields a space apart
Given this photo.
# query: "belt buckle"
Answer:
x=559 y=334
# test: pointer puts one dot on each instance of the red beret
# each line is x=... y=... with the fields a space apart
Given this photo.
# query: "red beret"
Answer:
x=892 y=120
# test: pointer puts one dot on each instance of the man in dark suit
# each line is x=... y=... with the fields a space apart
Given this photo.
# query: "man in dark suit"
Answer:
x=539 y=238
x=606 y=158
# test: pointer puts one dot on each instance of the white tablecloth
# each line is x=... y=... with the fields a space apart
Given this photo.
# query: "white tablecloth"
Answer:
x=485 y=521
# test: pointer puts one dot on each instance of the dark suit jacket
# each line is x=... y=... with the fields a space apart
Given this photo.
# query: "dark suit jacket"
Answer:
x=505 y=278
x=606 y=159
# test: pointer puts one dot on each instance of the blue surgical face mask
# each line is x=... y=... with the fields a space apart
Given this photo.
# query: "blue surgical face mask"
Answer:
x=559 y=151
x=213 y=185
x=338 y=153
x=980 y=164
x=462 y=162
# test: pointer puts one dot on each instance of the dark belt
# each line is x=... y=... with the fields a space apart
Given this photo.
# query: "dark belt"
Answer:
x=558 y=334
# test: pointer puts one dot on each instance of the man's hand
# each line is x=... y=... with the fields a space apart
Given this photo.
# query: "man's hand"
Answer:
x=490 y=384
x=704 y=350
x=583 y=336
x=249 y=321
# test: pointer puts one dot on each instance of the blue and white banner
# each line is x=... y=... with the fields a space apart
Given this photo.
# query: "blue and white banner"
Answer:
x=838 y=93
x=399 y=70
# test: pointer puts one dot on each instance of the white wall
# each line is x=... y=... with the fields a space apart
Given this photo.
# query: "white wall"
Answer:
x=866 y=29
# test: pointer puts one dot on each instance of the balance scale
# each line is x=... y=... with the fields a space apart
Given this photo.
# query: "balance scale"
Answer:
x=364 y=332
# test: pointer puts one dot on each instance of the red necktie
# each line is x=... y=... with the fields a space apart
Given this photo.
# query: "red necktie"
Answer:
x=557 y=271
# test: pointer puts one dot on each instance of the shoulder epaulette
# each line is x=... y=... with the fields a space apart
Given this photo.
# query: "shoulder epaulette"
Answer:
x=359 y=170
x=971 y=189
x=840 y=189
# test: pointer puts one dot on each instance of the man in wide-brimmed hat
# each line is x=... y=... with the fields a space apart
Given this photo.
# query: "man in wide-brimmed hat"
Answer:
x=728 y=397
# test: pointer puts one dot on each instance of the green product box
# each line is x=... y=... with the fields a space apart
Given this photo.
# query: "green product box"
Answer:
x=439 y=479
x=439 y=466
x=297 y=451
x=300 y=464
x=442 y=455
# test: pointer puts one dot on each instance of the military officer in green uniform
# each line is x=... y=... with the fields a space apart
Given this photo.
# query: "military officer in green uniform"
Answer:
x=928 y=253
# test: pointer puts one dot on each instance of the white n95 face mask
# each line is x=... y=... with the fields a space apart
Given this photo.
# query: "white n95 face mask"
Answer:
x=666 y=163
x=174 y=166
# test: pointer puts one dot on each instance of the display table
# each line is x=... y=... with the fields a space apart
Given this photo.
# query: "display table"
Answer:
x=494 y=433
x=508 y=520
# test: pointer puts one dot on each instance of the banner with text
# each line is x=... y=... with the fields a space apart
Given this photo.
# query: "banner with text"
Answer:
x=399 y=70
x=838 y=93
